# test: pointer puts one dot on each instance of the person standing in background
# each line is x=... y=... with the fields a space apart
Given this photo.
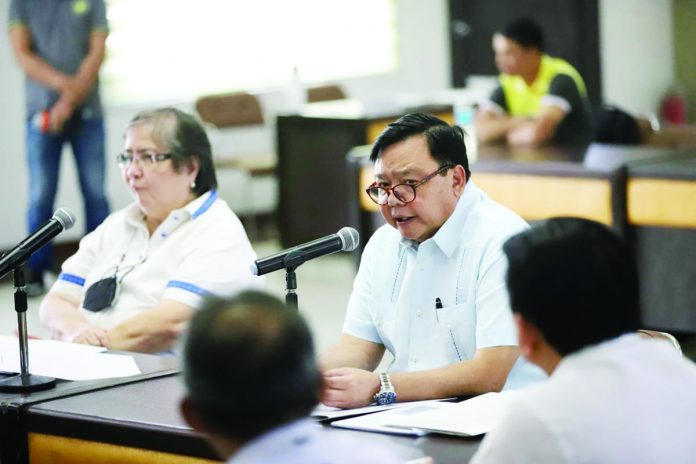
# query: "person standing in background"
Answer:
x=59 y=44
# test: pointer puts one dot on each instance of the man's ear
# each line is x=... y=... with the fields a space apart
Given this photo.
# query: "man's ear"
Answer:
x=529 y=337
x=458 y=180
x=225 y=446
x=190 y=414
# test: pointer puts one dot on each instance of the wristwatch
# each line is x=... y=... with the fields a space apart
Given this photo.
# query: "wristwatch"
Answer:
x=386 y=393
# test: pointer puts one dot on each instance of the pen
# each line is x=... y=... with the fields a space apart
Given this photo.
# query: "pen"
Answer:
x=438 y=305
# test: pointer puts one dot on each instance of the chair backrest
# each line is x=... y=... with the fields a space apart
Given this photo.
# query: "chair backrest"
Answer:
x=616 y=126
x=661 y=335
x=325 y=93
x=228 y=110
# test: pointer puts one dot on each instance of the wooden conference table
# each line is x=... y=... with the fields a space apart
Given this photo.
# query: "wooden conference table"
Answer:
x=14 y=407
x=139 y=422
x=661 y=213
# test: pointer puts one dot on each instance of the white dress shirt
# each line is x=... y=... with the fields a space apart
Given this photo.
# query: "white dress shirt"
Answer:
x=394 y=294
x=199 y=250
x=628 y=400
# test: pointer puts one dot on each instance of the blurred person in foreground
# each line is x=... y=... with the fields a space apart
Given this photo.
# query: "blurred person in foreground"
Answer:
x=540 y=99
x=137 y=279
x=613 y=396
x=251 y=381
x=431 y=283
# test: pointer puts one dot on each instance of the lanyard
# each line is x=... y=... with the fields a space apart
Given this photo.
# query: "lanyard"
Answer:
x=123 y=257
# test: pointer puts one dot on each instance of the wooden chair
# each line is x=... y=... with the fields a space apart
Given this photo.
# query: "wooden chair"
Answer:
x=229 y=110
x=661 y=336
x=237 y=110
x=232 y=110
x=325 y=93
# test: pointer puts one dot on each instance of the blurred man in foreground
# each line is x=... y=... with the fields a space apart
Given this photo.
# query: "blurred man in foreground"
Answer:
x=252 y=380
x=613 y=396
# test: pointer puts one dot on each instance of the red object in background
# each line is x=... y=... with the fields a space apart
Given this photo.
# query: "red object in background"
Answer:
x=673 y=109
x=41 y=121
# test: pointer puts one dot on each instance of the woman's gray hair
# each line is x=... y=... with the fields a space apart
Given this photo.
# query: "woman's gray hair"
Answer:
x=185 y=138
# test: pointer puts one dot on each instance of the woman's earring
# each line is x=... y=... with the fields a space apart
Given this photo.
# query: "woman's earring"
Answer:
x=193 y=185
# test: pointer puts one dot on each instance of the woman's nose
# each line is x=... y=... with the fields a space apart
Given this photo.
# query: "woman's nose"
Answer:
x=134 y=170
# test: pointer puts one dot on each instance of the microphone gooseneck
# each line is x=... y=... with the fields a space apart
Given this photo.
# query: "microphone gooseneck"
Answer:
x=346 y=239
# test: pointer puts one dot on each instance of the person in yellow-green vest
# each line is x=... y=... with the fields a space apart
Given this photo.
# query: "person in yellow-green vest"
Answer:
x=540 y=99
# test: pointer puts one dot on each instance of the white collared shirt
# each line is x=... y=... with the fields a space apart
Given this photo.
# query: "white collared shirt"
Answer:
x=627 y=400
x=198 y=250
x=302 y=442
x=394 y=293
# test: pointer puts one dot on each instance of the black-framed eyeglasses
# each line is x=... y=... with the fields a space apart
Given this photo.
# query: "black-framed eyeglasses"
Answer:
x=405 y=193
x=144 y=158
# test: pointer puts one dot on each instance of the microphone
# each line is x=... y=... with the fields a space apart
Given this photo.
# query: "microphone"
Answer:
x=346 y=239
x=62 y=219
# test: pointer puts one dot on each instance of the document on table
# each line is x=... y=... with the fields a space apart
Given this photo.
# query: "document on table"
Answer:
x=323 y=412
x=472 y=417
x=69 y=361
x=381 y=421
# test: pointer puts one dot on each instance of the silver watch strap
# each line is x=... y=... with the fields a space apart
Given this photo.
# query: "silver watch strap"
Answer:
x=385 y=380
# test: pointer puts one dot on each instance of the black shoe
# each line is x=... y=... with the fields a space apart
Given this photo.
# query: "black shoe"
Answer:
x=34 y=284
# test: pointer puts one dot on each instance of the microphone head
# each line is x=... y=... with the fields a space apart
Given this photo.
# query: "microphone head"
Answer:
x=65 y=217
x=349 y=238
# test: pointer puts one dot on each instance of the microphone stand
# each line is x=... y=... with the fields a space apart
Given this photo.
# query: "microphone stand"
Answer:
x=291 y=262
x=24 y=381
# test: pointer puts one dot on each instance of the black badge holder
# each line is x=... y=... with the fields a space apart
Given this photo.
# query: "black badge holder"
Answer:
x=101 y=294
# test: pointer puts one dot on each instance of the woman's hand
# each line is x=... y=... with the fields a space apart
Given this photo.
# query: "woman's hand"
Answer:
x=91 y=335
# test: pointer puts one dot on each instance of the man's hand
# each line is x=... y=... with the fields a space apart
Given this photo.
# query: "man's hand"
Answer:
x=538 y=130
x=90 y=334
x=523 y=137
x=75 y=90
x=59 y=115
x=347 y=387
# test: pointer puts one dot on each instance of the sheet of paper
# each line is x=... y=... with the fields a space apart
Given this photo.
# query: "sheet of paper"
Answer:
x=472 y=417
x=380 y=421
x=44 y=347
x=323 y=412
x=69 y=361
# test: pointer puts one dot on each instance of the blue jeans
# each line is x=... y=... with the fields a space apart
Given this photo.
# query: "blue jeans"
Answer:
x=86 y=137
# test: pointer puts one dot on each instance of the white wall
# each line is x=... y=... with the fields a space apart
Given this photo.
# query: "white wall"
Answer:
x=637 y=43
x=637 y=64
